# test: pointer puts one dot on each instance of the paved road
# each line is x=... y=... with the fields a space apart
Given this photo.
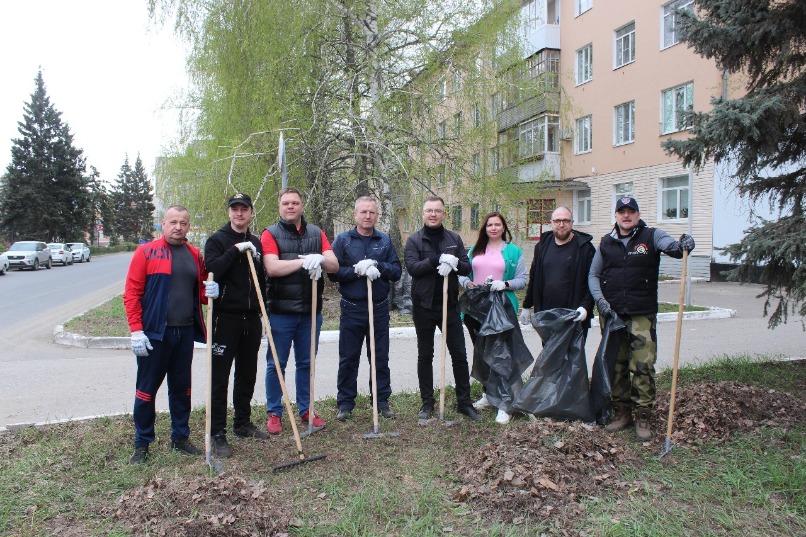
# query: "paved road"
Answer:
x=50 y=382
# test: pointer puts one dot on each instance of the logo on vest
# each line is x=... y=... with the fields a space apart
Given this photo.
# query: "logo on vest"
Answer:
x=640 y=249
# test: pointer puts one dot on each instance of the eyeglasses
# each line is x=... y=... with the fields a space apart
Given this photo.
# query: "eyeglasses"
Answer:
x=433 y=211
x=562 y=221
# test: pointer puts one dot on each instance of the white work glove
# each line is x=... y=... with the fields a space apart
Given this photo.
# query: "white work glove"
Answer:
x=497 y=285
x=244 y=246
x=373 y=274
x=211 y=289
x=140 y=344
x=312 y=261
x=582 y=314
x=315 y=273
x=451 y=260
x=362 y=266
x=444 y=269
x=526 y=315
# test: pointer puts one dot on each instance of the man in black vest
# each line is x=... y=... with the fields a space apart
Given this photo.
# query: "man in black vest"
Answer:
x=623 y=279
x=237 y=329
x=294 y=255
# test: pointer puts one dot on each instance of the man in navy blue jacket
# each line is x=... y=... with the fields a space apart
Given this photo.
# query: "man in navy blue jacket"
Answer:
x=364 y=253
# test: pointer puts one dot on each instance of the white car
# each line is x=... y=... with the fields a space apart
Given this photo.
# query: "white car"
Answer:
x=60 y=253
x=3 y=264
x=81 y=252
x=29 y=254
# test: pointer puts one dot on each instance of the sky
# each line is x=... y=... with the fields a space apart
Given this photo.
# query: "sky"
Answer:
x=107 y=69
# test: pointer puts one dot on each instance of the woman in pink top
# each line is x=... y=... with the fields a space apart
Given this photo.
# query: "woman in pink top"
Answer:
x=497 y=261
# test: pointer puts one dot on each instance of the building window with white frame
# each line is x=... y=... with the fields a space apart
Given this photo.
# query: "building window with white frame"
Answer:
x=538 y=136
x=582 y=204
x=675 y=103
x=674 y=198
x=475 y=115
x=624 y=124
x=584 y=64
x=493 y=161
x=583 y=137
x=671 y=20
x=624 y=52
x=476 y=164
x=581 y=6
x=622 y=190
x=442 y=89
x=458 y=81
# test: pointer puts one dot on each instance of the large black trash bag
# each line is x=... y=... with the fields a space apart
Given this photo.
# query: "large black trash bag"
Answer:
x=558 y=386
x=603 y=367
x=500 y=354
x=400 y=294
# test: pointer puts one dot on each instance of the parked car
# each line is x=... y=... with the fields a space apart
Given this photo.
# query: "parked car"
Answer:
x=81 y=252
x=29 y=254
x=61 y=253
x=3 y=263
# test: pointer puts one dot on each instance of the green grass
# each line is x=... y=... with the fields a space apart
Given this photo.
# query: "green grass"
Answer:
x=71 y=476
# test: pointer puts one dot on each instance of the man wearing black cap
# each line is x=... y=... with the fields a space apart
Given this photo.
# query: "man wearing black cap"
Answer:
x=237 y=327
x=623 y=279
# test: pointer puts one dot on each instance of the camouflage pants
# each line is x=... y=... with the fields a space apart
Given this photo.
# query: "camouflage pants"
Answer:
x=636 y=358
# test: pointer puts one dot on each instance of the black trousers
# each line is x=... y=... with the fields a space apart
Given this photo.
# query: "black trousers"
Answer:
x=425 y=321
x=236 y=338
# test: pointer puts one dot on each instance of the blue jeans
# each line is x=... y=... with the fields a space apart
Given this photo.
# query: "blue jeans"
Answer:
x=173 y=356
x=353 y=331
x=288 y=328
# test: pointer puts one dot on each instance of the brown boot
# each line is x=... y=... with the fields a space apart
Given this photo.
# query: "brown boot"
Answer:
x=622 y=418
x=642 y=418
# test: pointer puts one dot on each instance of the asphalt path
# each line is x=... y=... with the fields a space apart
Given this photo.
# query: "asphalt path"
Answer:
x=45 y=382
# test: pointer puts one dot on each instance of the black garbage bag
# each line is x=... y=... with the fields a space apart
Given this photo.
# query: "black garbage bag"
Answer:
x=500 y=354
x=603 y=367
x=400 y=294
x=558 y=385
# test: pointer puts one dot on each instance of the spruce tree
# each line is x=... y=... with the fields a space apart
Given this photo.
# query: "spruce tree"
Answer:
x=46 y=172
x=132 y=201
x=760 y=136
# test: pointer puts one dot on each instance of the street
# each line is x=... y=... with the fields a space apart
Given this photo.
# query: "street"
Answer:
x=44 y=382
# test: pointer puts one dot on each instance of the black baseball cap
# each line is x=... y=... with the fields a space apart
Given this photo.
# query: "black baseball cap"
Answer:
x=240 y=199
x=627 y=202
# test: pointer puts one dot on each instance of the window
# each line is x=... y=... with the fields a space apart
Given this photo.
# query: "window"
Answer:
x=456 y=217
x=539 y=135
x=479 y=64
x=476 y=166
x=475 y=115
x=625 y=45
x=441 y=130
x=441 y=176
x=584 y=64
x=583 y=137
x=442 y=89
x=493 y=160
x=624 y=124
x=495 y=105
x=475 y=218
x=538 y=214
x=674 y=198
x=675 y=103
x=621 y=190
x=581 y=6
x=457 y=124
x=457 y=80
x=671 y=20
x=544 y=67
x=582 y=215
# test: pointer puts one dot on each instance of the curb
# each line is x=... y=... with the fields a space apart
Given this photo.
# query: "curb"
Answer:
x=70 y=339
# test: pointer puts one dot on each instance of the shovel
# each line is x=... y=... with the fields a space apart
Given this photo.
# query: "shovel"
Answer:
x=668 y=445
x=444 y=350
x=214 y=464
x=302 y=458
x=311 y=428
x=371 y=311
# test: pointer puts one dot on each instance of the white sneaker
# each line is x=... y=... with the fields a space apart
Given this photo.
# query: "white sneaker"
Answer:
x=482 y=403
x=502 y=417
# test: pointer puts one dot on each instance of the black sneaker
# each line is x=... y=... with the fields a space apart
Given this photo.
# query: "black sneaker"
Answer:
x=185 y=447
x=470 y=412
x=139 y=456
x=386 y=412
x=426 y=412
x=250 y=431
x=220 y=447
x=344 y=414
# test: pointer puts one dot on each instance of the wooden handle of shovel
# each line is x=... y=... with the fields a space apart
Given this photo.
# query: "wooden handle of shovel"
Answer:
x=371 y=313
x=209 y=394
x=673 y=393
x=444 y=343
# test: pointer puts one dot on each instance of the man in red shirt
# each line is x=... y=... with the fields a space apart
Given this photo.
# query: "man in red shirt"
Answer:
x=294 y=255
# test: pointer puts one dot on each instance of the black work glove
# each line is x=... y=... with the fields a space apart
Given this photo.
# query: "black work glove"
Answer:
x=604 y=307
x=686 y=242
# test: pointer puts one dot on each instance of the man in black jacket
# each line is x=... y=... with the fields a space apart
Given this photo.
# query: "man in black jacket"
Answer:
x=431 y=254
x=559 y=274
x=237 y=328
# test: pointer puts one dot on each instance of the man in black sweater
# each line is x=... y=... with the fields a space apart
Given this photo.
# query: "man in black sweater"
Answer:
x=237 y=327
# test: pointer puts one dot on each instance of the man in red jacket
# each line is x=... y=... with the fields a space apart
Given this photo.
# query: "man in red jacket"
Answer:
x=165 y=289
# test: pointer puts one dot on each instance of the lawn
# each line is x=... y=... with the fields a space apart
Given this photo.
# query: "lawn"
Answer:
x=724 y=476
